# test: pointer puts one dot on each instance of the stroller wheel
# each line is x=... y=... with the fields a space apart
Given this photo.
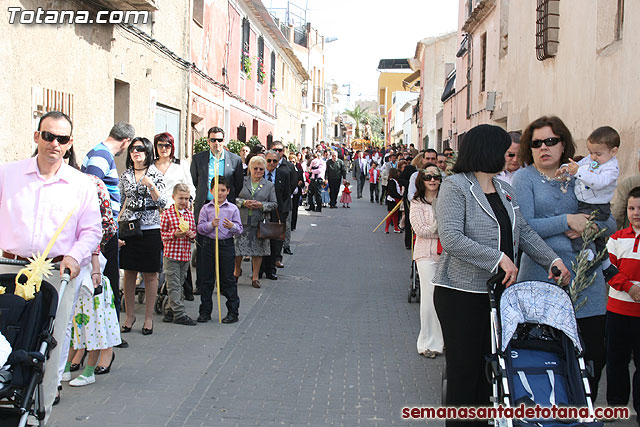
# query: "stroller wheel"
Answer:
x=159 y=305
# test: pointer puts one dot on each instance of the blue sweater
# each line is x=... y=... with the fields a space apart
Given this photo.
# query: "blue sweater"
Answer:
x=545 y=207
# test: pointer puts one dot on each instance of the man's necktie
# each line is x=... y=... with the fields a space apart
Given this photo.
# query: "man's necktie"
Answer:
x=270 y=177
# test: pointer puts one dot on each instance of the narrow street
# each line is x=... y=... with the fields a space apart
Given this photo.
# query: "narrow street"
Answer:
x=332 y=342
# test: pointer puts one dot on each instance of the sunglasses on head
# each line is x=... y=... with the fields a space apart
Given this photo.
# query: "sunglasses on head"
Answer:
x=138 y=148
x=50 y=137
x=549 y=142
x=216 y=139
x=167 y=146
x=430 y=177
x=272 y=160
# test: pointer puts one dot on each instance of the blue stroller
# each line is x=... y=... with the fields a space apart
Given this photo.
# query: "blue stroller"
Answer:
x=537 y=356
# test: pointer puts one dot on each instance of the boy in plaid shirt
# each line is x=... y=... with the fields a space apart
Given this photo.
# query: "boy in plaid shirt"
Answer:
x=178 y=229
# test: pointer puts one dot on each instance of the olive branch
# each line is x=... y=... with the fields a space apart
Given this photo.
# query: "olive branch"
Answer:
x=582 y=265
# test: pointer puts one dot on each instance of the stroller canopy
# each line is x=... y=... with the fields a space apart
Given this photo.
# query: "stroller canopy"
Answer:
x=537 y=302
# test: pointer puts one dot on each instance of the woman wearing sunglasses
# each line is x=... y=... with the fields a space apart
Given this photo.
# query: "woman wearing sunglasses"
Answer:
x=481 y=230
x=550 y=206
x=170 y=167
x=143 y=194
x=425 y=253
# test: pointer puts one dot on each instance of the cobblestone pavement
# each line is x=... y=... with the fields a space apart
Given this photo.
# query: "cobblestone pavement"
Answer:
x=332 y=342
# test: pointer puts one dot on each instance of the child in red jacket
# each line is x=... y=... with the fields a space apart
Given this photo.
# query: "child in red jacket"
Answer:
x=623 y=309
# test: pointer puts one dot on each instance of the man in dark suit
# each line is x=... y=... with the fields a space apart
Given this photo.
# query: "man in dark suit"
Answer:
x=281 y=179
x=360 y=171
x=334 y=174
x=202 y=172
x=286 y=165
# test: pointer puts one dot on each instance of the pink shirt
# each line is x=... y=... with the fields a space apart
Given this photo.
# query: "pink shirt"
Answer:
x=32 y=209
x=318 y=167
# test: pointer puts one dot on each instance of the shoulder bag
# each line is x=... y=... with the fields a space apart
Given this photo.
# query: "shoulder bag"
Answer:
x=131 y=228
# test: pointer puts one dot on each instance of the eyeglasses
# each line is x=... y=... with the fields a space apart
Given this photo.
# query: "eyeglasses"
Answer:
x=216 y=139
x=549 y=142
x=164 y=146
x=272 y=160
x=138 y=148
x=258 y=169
x=50 y=137
x=430 y=177
x=279 y=150
x=511 y=155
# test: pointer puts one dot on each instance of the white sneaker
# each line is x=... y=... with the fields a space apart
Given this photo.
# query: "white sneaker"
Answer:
x=66 y=376
x=81 y=380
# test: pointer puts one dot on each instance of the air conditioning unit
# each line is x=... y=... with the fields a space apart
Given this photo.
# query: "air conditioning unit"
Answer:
x=491 y=101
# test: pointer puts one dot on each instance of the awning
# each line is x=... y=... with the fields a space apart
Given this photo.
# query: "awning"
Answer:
x=449 y=88
x=409 y=81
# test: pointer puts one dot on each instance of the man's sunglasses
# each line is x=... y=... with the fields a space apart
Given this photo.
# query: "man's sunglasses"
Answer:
x=278 y=149
x=167 y=146
x=216 y=139
x=50 y=137
x=430 y=177
x=272 y=160
x=549 y=142
x=138 y=148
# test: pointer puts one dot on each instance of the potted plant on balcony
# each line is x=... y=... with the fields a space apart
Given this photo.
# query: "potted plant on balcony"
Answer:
x=246 y=64
x=261 y=73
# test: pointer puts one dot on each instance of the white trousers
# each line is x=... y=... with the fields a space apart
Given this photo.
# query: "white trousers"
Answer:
x=430 y=337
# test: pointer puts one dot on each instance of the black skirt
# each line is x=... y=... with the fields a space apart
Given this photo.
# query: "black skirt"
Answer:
x=142 y=253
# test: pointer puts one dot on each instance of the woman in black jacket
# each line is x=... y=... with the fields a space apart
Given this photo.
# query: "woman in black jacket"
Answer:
x=394 y=195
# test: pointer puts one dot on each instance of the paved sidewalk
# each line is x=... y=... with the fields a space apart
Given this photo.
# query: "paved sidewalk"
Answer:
x=332 y=342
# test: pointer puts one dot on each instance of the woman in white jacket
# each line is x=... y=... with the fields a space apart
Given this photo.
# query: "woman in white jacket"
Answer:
x=425 y=253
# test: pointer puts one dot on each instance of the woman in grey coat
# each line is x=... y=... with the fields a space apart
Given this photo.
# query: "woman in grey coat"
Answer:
x=481 y=230
x=256 y=197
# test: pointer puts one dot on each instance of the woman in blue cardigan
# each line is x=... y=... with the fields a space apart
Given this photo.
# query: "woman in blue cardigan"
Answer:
x=549 y=206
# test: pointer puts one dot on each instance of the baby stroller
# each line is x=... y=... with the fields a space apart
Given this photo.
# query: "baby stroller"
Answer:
x=28 y=327
x=537 y=356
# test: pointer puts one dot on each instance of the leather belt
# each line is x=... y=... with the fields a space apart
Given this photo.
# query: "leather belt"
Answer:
x=9 y=255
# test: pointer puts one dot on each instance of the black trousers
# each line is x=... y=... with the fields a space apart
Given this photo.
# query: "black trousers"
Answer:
x=314 y=196
x=295 y=203
x=269 y=262
x=408 y=235
x=361 y=178
x=228 y=285
x=199 y=263
x=592 y=332
x=464 y=318
x=623 y=340
x=334 y=189
x=373 y=191
x=111 y=269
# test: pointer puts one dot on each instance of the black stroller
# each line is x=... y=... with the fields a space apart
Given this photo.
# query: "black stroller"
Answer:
x=537 y=354
x=28 y=327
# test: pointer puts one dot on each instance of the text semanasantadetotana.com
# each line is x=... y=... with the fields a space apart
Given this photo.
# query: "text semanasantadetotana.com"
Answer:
x=519 y=412
x=42 y=16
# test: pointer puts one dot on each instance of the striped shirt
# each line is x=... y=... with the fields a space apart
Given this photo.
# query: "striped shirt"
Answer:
x=623 y=253
x=101 y=163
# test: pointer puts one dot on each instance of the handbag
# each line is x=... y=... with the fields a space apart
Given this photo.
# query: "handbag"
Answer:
x=128 y=229
x=271 y=230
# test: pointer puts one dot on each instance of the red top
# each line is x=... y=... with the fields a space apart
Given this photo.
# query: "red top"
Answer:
x=178 y=249
x=346 y=190
x=623 y=253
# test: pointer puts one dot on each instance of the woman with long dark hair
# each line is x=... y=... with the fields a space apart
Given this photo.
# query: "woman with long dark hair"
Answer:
x=143 y=195
x=425 y=254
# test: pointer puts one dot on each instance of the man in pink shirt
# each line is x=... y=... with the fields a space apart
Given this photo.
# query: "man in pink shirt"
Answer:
x=36 y=195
